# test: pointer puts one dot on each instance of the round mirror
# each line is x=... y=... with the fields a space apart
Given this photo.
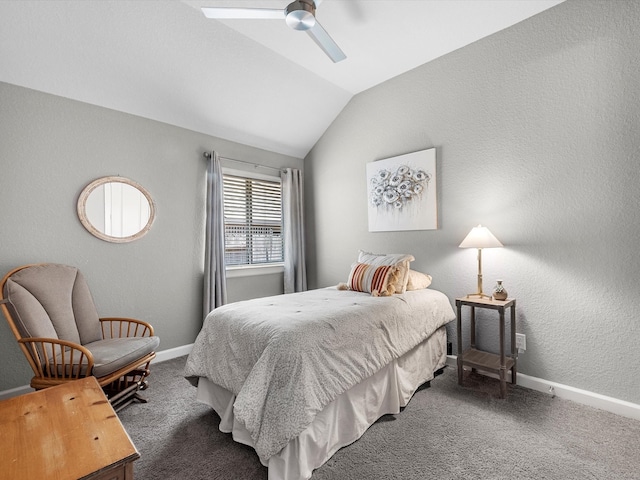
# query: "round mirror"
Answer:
x=116 y=209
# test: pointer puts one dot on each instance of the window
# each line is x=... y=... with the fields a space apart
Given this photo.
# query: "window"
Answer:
x=252 y=220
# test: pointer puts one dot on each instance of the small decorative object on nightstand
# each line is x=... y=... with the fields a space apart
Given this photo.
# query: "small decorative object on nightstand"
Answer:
x=490 y=362
x=499 y=292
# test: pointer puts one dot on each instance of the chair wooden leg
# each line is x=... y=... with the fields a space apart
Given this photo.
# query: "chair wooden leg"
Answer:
x=124 y=391
x=140 y=399
x=124 y=397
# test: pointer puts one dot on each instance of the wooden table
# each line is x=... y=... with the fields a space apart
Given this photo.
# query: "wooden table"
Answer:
x=65 y=432
x=479 y=359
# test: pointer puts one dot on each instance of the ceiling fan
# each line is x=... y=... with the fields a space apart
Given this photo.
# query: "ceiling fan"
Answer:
x=299 y=15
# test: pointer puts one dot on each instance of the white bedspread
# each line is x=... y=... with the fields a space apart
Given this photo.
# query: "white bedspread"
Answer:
x=279 y=355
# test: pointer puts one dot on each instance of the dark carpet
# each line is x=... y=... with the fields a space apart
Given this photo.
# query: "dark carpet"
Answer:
x=446 y=432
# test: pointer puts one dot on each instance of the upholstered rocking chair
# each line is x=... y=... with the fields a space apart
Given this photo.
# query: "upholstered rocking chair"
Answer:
x=51 y=312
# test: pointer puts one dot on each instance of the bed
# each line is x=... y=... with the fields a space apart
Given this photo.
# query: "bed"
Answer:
x=299 y=376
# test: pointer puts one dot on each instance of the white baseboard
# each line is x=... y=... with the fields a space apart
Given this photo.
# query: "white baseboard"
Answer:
x=585 y=397
x=171 y=353
x=160 y=357
x=14 y=392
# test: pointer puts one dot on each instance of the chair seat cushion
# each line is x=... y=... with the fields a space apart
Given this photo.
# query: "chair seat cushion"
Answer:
x=114 y=353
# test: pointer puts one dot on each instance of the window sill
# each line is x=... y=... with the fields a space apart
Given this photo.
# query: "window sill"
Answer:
x=252 y=270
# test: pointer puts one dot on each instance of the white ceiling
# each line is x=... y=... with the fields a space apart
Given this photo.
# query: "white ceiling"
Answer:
x=255 y=82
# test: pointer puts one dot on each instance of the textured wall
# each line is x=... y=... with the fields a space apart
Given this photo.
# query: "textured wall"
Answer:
x=50 y=148
x=536 y=130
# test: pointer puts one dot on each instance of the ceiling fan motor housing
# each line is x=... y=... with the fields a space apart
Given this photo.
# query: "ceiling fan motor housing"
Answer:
x=300 y=15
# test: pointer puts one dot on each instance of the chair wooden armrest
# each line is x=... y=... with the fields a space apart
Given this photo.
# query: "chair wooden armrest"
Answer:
x=120 y=327
x=55 y=361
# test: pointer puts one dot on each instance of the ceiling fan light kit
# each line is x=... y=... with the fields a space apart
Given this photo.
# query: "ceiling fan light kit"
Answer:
x=298 y=15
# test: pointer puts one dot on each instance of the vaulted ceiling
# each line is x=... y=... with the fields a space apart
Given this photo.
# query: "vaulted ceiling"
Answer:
x=256 y=82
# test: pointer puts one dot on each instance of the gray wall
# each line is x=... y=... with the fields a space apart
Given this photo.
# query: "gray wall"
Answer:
x=50 y=148
x=536 y=130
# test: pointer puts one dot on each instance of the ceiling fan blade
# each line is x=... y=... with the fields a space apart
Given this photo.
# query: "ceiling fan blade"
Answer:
x=326 y=43
x=236 y=12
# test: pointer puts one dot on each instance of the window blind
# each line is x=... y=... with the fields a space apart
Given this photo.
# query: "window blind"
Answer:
x=252 y=221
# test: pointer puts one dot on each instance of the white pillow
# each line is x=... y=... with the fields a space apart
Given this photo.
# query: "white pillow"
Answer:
x=401 y=260
x=418 y=281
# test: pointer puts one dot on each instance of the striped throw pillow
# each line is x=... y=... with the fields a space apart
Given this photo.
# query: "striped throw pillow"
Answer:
x=369 y=278
x=401 y=260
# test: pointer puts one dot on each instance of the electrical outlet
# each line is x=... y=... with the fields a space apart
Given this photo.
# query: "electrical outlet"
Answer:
x=521 y=342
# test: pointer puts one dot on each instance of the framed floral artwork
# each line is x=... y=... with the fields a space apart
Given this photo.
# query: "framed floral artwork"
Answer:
x=402 y=192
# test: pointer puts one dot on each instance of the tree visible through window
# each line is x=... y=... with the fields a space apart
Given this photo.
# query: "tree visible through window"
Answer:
x=252 y=221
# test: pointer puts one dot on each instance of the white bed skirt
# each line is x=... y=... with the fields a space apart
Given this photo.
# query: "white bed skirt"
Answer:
x=345 y=419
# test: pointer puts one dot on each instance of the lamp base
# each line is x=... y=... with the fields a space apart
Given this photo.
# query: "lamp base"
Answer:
x=479 y=295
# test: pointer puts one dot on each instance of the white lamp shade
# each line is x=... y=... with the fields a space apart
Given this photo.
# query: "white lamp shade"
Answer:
x=480 y=237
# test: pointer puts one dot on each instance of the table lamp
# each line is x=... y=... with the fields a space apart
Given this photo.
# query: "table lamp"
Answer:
x=480 y=237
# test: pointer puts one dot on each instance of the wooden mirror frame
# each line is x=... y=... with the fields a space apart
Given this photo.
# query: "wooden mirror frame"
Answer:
x=82 y=214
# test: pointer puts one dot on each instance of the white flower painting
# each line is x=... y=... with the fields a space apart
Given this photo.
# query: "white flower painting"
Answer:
x=402 y=192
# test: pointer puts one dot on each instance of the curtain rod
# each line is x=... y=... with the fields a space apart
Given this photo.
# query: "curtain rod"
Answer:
x=255 y=165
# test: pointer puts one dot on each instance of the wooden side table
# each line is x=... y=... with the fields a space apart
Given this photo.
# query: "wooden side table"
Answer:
x=65 y=432
x=484 y=360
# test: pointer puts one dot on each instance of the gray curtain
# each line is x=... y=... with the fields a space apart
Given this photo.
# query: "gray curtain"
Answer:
x=295 y=273
x=215 y=280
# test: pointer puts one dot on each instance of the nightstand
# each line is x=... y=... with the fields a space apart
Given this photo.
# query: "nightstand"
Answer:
x=479 y=359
